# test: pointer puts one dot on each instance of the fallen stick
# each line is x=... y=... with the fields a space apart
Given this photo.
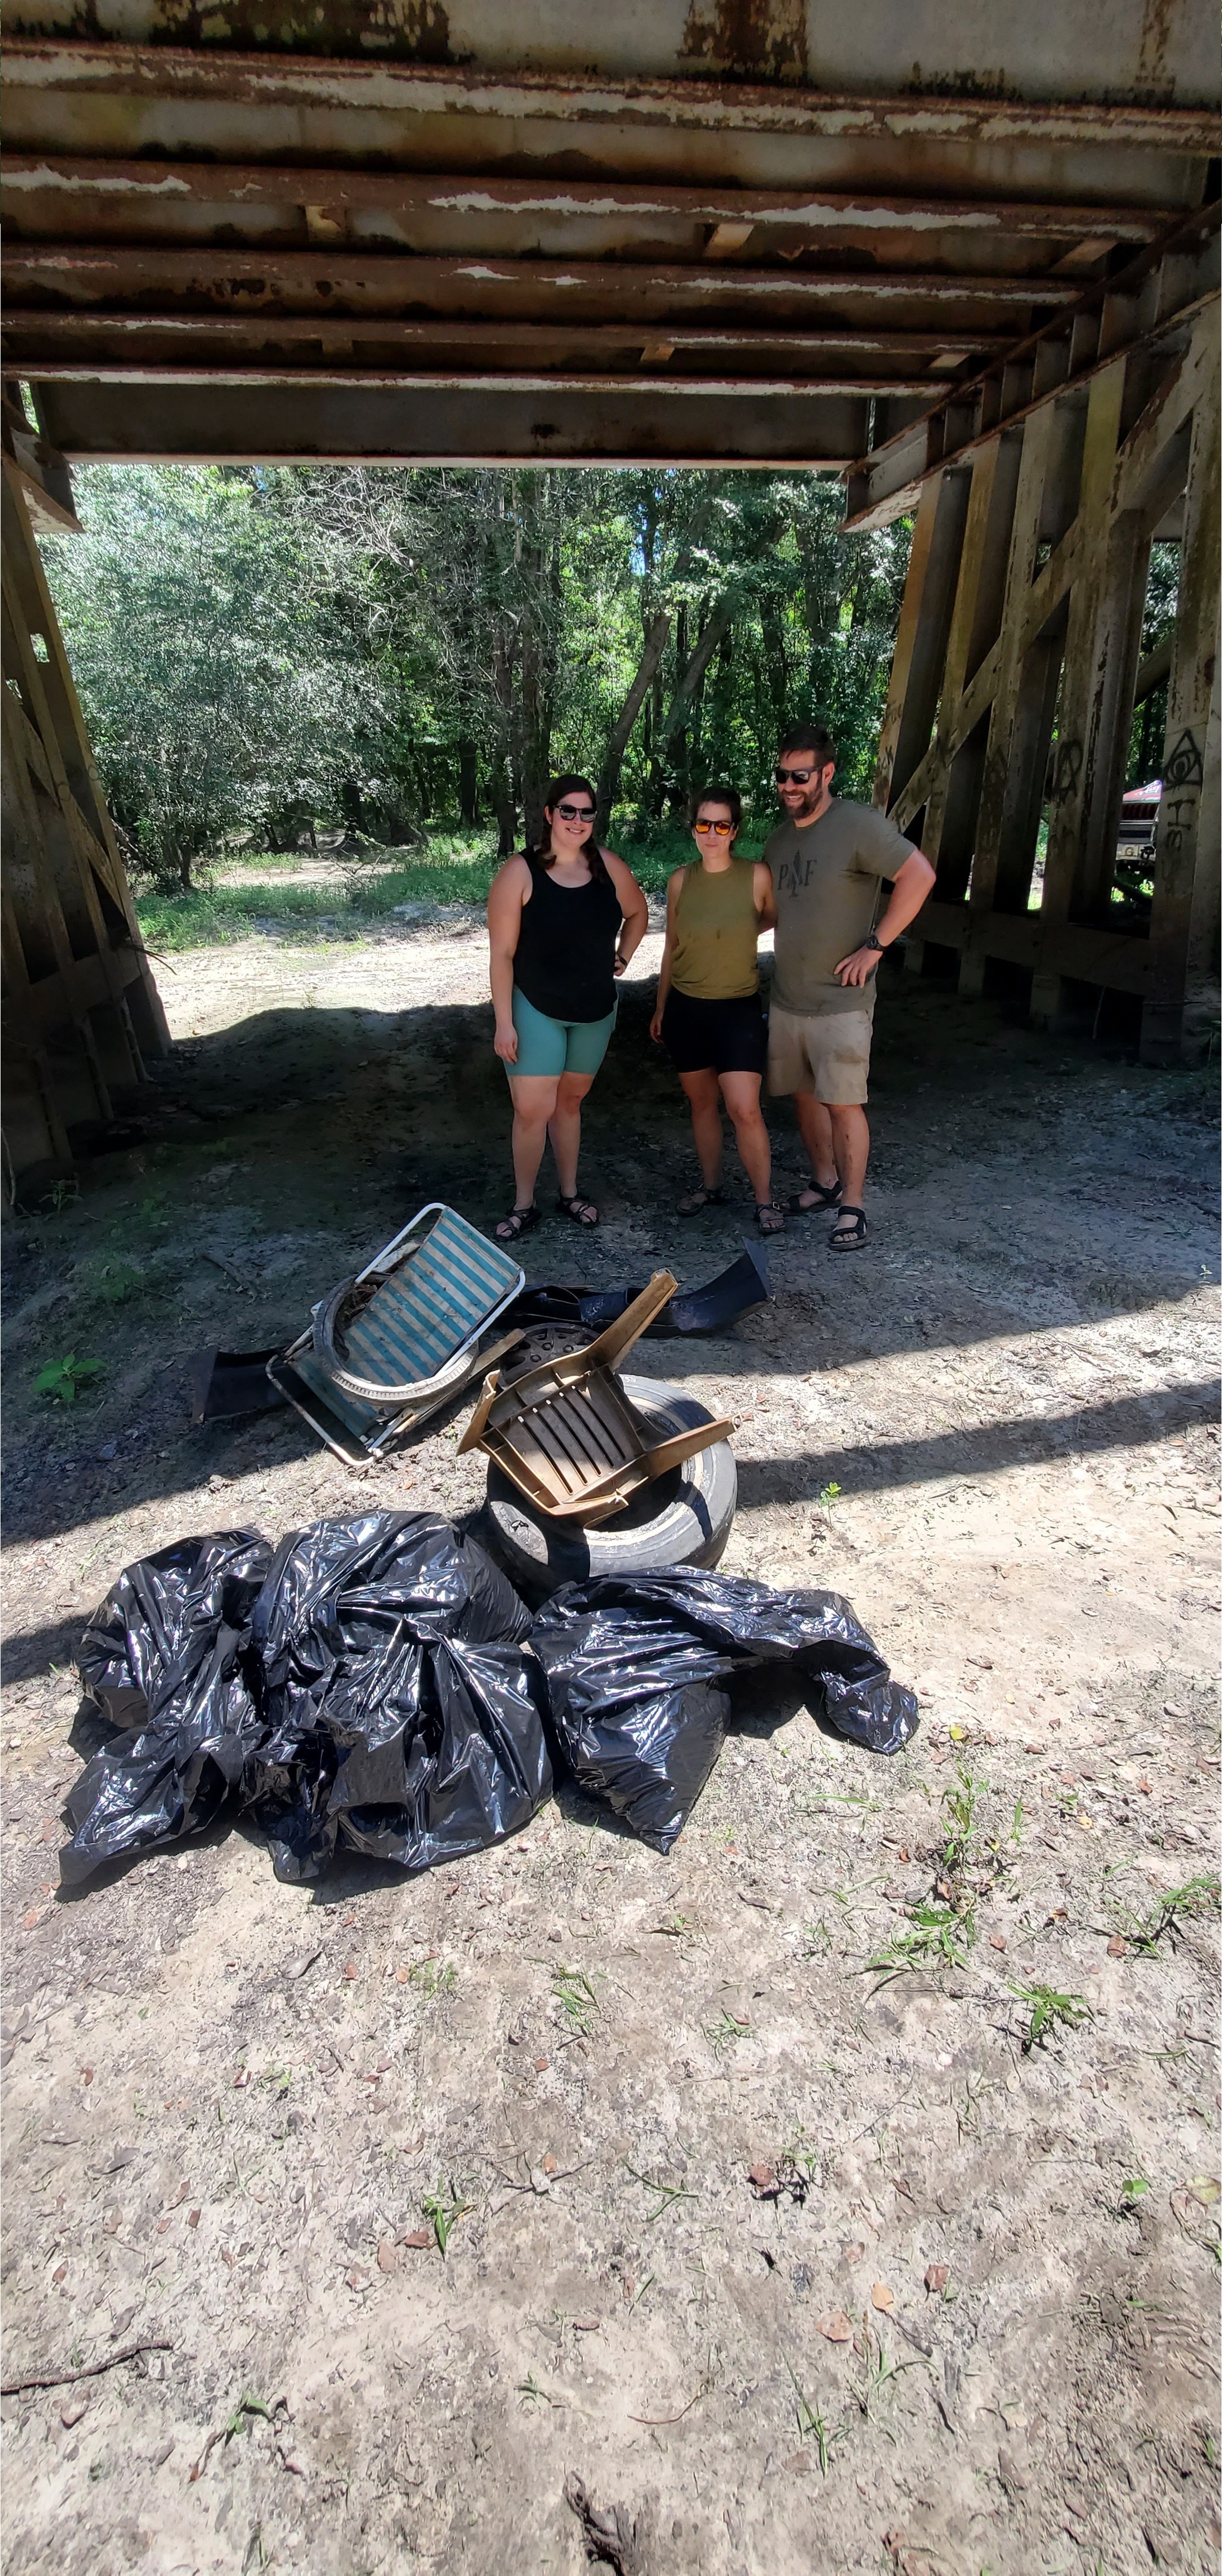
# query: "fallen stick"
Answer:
x=91 y=2370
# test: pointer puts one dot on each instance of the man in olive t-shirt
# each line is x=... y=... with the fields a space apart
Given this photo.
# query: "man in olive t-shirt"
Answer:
x=829 y=860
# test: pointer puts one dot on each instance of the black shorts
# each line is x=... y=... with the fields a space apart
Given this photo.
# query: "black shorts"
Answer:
x=724 y=1037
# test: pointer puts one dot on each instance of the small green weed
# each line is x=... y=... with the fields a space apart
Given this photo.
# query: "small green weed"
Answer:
x=111 y=1280
x=63 y=1379
x=1131 y=2191
x=531 y=2394
x=1049 y=2012
x=959 y=1803
x=443 y=2208
x=725 y=2031
x=668 y=2193
x=809 y=2422
x=827 y=1495
x=432 y=1977
x=573 y=1992
x=939 y=1936
x=1166 y=1917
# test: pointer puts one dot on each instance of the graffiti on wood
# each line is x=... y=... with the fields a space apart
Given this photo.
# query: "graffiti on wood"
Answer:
x=1184 y=767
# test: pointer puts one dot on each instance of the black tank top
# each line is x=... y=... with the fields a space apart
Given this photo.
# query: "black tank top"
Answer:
x=565 y=958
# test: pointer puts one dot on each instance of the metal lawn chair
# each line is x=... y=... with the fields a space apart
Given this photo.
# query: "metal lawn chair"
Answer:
x=391 y=1346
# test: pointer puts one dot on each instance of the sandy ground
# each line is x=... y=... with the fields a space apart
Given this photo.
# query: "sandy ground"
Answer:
x=964 y=2318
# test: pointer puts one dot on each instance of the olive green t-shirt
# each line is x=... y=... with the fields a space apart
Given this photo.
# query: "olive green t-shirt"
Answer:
x=826 y=884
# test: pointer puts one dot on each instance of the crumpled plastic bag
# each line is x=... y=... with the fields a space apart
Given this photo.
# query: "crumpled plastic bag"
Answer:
x=636 y=1667
x=166 y=1659
x=401 y=1709
x=364 y=1688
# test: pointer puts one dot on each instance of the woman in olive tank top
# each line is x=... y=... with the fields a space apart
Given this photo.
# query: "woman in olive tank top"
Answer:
x=708 y=1011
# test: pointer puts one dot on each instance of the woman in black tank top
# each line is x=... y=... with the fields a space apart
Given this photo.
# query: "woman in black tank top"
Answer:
x=563 y=921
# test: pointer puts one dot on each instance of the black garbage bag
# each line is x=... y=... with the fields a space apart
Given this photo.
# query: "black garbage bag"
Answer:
x=364 y=1687
x=401 y=1708
x=167 y=1660
x=636 y=1669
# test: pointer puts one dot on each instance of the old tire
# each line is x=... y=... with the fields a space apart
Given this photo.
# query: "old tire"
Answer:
x=682 y=1519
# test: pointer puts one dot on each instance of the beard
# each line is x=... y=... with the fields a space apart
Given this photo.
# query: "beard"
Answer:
x=810 y=798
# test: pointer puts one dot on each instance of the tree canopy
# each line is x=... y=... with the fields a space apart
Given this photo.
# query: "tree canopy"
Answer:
x=259 y=649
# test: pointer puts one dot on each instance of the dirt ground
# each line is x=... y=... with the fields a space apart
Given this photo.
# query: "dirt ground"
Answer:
x=962 y=2322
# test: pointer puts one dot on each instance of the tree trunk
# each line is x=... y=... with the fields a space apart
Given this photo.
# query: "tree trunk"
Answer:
x=468 y=782
x=690 y=678
x=621 y=731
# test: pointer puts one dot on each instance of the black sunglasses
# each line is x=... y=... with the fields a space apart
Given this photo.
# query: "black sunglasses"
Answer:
x=797 y=777
x=576 y=813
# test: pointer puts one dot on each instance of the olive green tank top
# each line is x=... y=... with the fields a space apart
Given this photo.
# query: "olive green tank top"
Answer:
x=716 y=933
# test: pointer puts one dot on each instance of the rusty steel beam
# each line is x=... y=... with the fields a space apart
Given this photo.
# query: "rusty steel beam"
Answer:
x=45 y=194
x=34 y=328
x=305 y=81
x=632 y=422
x=1157 y=293
x=305 y=281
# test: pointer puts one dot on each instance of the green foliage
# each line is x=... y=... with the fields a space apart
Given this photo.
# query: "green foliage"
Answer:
x=406 y=651
x=938 y=1936
x=1144 y=1929
x=63 y=1379
x=443 y=2207
x=1049 y=2012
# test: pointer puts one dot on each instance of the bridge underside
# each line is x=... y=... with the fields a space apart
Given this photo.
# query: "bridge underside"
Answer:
x=410 y=236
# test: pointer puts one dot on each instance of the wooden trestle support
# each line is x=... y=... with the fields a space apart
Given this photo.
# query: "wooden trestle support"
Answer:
x=1015 y=676
x=81 y=1013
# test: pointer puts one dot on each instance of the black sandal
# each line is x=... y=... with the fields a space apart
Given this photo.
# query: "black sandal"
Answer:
x=579 y=1211
x=698 y=1200
x=519 y=1221
x=818 y=1200
x=852 y=1237
x=768 y=1208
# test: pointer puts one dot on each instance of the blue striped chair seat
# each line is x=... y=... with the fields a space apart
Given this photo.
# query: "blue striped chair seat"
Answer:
x=435 y=1301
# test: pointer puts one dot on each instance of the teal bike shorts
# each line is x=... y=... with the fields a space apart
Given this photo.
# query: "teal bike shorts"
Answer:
x=550 y=1046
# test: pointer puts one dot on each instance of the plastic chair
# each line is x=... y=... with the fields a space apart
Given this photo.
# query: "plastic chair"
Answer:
x=389 y=1347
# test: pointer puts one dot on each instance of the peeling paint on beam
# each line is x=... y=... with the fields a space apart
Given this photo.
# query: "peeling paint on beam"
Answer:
x=419 y=90
x=419 y=380
x=221 y=329
x=75 y=270
x=214 y=184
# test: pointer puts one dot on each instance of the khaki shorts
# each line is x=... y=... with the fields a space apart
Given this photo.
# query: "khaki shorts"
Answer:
x=827 y=1052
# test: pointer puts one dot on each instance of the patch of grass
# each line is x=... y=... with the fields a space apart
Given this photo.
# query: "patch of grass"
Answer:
x=443 y=2207
x=1049 y=2012
x=959 y=1804
x=938 y=1936
x=668 y=2193
x=1166 y=1917
x=432 y=1977
x=211 y=915
x=809 y=2422
x=62 y=1380
x=573 y=1992
x=726 y=2031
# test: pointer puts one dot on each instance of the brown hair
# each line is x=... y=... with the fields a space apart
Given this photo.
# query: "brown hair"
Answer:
x=727 y=796
x=810 y=737
x=572 y=785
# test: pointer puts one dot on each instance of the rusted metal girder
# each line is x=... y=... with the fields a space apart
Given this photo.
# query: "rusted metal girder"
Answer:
x=1158 y=293
x=735 y=422
x=46 y=195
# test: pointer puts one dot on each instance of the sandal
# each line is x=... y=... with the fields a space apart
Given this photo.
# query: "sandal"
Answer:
x=702 y=1198
x=580 y=1211
x=848 y=1238
x=519 y=1221
x=814 y=1200
x=768 y=1217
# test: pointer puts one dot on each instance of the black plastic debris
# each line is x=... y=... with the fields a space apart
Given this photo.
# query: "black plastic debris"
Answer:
x=167 y=1660
x=367 y=1688
x=401 y=1710
x=377 y=1686
x=224 y=1384
x=712 y=1308
x=636 y=1670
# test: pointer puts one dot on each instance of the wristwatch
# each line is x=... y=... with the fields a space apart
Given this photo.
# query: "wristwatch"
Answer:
x=875 y=942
